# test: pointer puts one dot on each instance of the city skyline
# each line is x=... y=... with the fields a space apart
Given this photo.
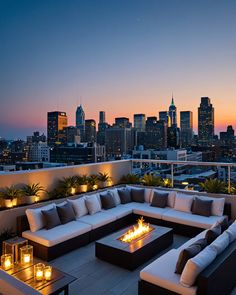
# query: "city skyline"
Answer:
x=123 y=57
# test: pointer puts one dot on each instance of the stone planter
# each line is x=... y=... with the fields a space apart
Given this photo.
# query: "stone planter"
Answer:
x=30 y=199
x=83 y=188
x=9 y=203
x=103 y=184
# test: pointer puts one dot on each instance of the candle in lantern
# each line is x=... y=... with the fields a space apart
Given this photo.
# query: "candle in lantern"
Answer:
x=48 y=273
x=6 y=261
x=38 y=271
x=26 y=258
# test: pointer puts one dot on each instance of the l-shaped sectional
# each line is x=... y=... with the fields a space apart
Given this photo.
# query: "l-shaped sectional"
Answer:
x=52 y=243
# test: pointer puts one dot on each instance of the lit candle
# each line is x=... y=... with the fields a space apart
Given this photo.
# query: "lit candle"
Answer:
x=38 y=271
x=26 y=258
x=48 y=273
x=7 y=264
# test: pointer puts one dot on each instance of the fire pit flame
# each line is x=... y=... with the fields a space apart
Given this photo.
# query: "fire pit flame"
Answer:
x=136 y=232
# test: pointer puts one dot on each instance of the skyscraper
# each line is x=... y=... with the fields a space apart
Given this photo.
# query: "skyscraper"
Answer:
x=139 y=122
x=205 y=122
x=57 y=122
x=173 y=113
x=102 y=126
x=90 y=130
x=186 y=126
x=122 y=122
x=80 y=121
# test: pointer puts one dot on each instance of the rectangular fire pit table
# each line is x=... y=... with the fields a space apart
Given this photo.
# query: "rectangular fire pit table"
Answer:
x=133 y=254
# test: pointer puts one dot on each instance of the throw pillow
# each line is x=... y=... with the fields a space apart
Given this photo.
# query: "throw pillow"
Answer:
x=137 y=195
x=93 y=204
x=125 y=195
x=202 y=207
x=66 y=213
x=108 y=200
x=159 y=199
x=147 y=192
x=189 y=252
x=231 y=231
x=183 y=202
x=116 y=196
x=196 y=265
x=212 y=234
x=79 y=206
x=51 y=218
x=35 y=217
x=171 y=199
x=224 y=224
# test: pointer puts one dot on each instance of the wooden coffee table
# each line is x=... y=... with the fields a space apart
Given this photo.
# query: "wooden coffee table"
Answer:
x=60 y=281
x=131 y=255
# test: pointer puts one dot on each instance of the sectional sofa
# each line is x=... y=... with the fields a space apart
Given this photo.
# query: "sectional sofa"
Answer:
x=92 y=224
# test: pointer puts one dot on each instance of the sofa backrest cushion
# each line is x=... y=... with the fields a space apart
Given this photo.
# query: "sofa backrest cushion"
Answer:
x=217 y=205
x=125 y=195
x=220 y=243
x=66 y=213
x=196 y=265
x=79 y=206
x=147 y=192
x=35 y=217
x=159 y=199
x=93 y=204
x=213 y=233
x=231 y=231
x=183 y=202
x=107 y=200
x=202 y=207
x=51 y=218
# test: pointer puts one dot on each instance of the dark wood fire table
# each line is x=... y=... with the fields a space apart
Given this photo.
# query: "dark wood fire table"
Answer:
x=130 y=255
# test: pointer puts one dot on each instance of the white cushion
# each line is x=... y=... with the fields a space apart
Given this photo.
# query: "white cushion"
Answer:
x=98 y=219
x=161 y=272
x=119 y=211
x=79 y=206
x=231 y=231
x=57 y=234
x=149 y=211
x=190 y=219
x=220 y=243
x=196 y=265
x=35 y=217
x=116 y=195
x=93 y=204
x=147 y=192
x=183 y=202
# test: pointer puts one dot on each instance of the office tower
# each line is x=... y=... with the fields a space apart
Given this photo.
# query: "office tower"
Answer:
x=90 y=130
x=39 y=152
x=186 y=126
x=102 y=117
x=118 y=142
x=227 y=138
x=122 y=122
x=173 y=137
x=155 y=136
x=80 y=121
x=57 y=122
x=205 y=122
x=102 y=126
x=173 y=113
x=72 y=135
x=139 y=122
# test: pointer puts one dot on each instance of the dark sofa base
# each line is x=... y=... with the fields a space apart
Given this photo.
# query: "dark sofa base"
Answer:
x=145 y=288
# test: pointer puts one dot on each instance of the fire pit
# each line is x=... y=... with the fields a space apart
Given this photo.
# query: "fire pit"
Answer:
x=138 y=231
x=132 y=246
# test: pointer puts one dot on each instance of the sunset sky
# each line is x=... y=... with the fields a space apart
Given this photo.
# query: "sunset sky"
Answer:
x=120 y=56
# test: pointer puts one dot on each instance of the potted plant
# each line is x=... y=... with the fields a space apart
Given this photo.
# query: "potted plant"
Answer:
x=152 y=180
x=11 y=196
x=104 y=179
x=130 y=179
x=31 y=192
x=93 y=182
x=214 y=186
x=81 y=183
x=67 y=186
